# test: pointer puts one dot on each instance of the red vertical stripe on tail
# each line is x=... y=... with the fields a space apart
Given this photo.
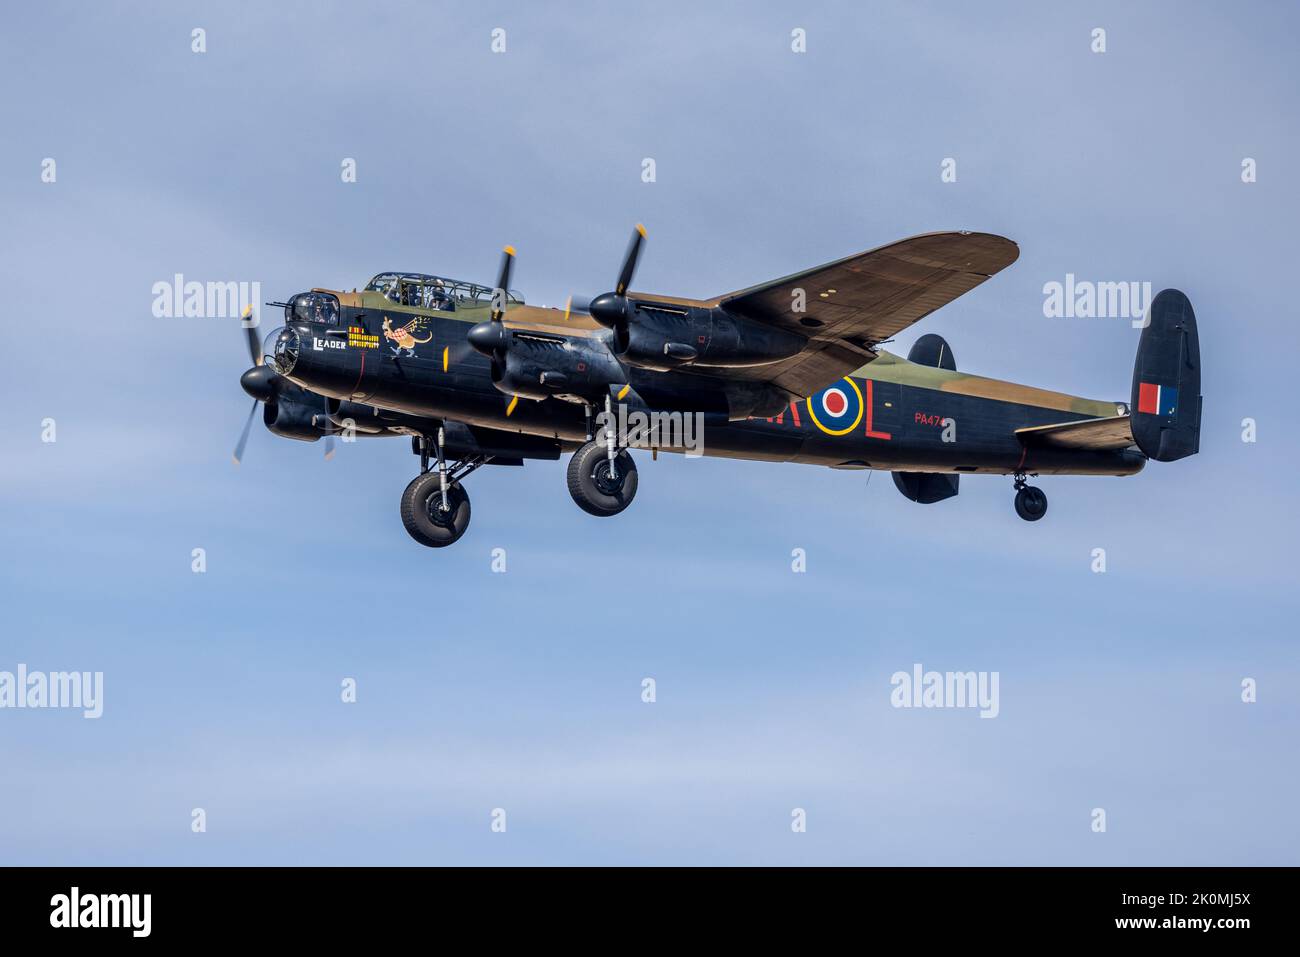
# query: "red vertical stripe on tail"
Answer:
x=1148 y=398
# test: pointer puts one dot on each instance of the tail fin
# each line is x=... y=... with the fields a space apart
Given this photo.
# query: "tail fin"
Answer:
x=929 y=487
x=1166 y=410
x=932 y=350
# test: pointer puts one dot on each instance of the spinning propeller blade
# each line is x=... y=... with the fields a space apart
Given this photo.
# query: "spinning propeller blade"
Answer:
x=629 y=261
x=612 y=309
x=577 y=304
x=243 y=436
x=503 y=284
x=250 y=328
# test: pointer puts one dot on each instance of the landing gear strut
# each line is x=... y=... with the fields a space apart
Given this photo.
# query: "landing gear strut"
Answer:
x=1031 y=503
x=602 y=477
x=435 y=506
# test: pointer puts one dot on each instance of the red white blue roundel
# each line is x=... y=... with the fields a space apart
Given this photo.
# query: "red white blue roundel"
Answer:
x=837 y=409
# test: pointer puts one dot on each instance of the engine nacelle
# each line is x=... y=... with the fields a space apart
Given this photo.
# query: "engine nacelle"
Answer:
x=292 y=419
x=539 y=365
x=737 y=343
x=661 y=336
x=660 y=339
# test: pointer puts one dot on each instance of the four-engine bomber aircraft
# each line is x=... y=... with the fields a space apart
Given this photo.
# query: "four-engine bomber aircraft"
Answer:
x=787 y=371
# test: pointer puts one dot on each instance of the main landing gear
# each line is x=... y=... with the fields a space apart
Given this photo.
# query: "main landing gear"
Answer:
x=602 y=477
x=435 y=506
x=1031 y=503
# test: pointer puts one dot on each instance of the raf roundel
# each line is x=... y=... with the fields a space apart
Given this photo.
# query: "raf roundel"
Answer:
x=837 y=410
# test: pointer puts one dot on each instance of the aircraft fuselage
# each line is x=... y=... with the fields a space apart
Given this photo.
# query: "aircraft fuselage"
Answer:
x=890 y=414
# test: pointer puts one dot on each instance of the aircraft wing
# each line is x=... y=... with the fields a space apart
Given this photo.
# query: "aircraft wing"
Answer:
x=854 y=303
x=1114 y=432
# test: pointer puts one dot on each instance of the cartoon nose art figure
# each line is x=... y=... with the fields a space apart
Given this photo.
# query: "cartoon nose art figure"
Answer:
x=403 y=336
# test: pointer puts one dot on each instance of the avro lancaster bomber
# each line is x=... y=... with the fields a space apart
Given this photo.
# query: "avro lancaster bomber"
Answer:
x=791 y=370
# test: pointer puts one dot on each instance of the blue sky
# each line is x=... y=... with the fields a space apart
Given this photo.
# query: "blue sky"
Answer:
x=522 y=690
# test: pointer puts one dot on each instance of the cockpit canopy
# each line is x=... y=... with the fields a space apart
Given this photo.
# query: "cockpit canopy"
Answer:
x=423 y=291
x=322 y=307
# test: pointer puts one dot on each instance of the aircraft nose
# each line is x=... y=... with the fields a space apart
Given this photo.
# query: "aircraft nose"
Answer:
x=257 y=382
x=282 y=347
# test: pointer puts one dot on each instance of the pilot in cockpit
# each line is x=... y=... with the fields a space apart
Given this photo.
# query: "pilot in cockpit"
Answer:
x=441 y=299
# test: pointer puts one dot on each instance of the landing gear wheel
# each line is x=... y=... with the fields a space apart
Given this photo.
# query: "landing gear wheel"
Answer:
x=592 y=485
x=1031 y=503
x=426 y=520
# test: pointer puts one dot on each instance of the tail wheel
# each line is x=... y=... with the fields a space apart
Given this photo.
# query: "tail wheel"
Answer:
x=424 y=516
x=1031 y=503
x=595 y=487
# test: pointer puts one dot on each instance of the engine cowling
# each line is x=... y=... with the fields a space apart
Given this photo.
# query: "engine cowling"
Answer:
x=662 y=336
x=540 y=365
x=286 y=416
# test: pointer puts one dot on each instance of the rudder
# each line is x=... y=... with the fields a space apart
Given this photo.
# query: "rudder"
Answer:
x=1166 y=407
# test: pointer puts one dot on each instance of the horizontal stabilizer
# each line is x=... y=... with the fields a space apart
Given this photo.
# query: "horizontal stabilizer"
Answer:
x=1114 y=432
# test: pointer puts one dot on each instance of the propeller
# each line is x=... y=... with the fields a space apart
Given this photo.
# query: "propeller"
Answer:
x=243 y=436
x=574 y=304
x=612 y=309
x=503 y=283
x=256 y=383
x=629 y=261
x=490 y=337
x=262 y=383
x=254 y=344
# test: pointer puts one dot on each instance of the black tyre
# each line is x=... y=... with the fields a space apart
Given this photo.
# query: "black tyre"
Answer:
x=1031 y=503
x=426 y=520
x=591 y=485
